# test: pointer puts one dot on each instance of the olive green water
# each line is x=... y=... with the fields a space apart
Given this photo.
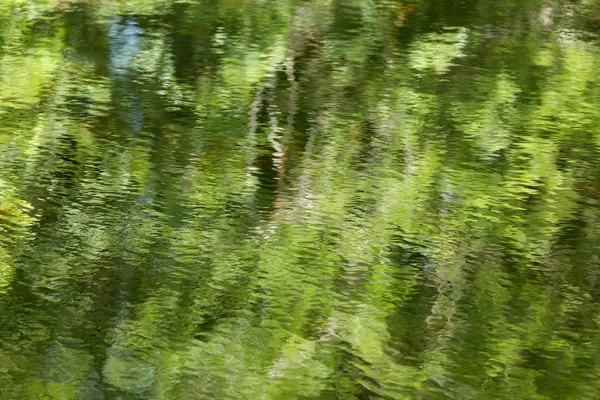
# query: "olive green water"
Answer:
x=286 y=199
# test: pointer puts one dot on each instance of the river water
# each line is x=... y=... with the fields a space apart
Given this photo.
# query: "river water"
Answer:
x=299 y=199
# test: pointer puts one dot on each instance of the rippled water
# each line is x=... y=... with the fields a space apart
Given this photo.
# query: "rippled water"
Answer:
x=286 y=199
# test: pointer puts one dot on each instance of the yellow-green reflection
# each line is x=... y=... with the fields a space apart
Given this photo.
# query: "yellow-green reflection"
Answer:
x=260 y=199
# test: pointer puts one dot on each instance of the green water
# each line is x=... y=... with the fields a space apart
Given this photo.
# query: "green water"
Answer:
x=299 y=199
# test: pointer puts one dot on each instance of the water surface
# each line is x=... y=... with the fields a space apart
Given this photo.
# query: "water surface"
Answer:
x=299 y=199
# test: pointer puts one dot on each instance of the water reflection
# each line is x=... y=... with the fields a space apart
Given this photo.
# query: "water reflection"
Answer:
x=279 y=200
